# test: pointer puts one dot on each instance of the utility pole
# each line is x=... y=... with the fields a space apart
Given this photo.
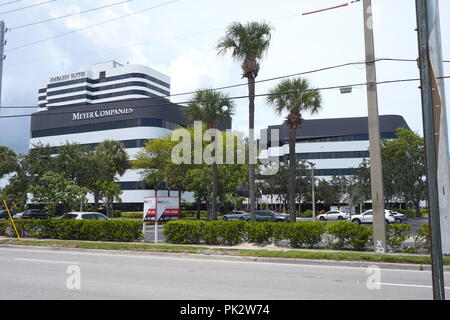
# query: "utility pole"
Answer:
x=2 y=50
x=313 y=191
x=431 y=110
x=376 y=172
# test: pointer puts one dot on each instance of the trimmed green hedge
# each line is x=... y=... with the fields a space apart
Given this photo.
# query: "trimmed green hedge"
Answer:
x=341 y=235
x=132 y=215
x=94 y=230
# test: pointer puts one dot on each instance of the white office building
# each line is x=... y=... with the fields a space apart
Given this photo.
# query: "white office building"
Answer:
x=105 y=82
x=335 y=146
x=125 y=103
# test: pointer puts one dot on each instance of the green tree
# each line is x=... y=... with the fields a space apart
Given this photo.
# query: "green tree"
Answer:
x=359 y=189
x=296 y=97
x=54 y=189
x=109 y=192
x=247 y=44
x=212 y=108
x=8 y=161
x=109 y=160
x=404 y=167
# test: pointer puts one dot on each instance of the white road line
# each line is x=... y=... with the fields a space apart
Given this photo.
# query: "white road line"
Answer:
x=408 y=285
x=209 y=260
x=46 y=261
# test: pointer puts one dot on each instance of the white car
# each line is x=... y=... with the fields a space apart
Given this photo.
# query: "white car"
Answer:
x=84 y=216
x=367 y=217
x=334 y=215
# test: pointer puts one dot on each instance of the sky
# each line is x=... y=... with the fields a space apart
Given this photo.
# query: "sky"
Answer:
x=179 y=38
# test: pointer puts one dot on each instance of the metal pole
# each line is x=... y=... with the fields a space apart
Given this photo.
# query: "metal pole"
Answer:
x=430 y=146
x=2 y=48
x=313 y=191
x=376 y=172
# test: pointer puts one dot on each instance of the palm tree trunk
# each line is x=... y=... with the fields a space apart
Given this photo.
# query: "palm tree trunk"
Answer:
x=214 y=192
x=292 y=175
x=251 y=137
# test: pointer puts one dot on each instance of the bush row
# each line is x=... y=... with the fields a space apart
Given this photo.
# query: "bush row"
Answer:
x=340 y=236
x=94 y=230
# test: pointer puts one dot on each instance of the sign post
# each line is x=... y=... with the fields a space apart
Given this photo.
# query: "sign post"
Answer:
x=160 y=209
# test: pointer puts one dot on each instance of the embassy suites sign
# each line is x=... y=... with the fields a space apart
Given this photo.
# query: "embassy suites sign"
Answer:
x=101 y=114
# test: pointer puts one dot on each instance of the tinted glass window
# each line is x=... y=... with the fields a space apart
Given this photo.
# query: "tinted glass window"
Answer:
x=69 y=216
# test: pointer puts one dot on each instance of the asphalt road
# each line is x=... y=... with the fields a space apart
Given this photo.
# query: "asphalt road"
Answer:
x=32 y=273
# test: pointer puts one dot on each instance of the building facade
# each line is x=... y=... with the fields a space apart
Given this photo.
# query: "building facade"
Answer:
x=105 y=82
x=334 y=146
x=110 y=102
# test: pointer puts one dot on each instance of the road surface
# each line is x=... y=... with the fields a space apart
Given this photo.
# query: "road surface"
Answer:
x=43 y=273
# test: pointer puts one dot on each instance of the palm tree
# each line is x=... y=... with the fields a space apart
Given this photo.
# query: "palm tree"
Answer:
x=294 y=96
x=212 y=108
x=248 y=43
x=110 y=159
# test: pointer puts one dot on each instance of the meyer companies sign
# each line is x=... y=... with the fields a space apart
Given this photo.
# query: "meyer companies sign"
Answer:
x=77 y=116
x=161 y=209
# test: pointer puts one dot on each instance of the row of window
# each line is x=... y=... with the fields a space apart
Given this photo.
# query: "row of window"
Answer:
x=102 y=96
x=139 y=185
x=104 y=88
x=355 y=137
x=334 y=172
x=108 y=79
x=121 y=124
x=334 y=155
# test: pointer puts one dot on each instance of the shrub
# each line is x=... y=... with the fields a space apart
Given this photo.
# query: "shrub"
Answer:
x=397 y=234
x=234 y=232
x=94 y=230
x=308 y=233
x=260 y=232
x=184 y=232
x=211 y=232
x=280 y=231
x=132 y=215
x=346 y=235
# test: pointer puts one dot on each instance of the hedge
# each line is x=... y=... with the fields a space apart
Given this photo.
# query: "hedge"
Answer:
x=132 y=215
x=94 y=230
x=340 y=236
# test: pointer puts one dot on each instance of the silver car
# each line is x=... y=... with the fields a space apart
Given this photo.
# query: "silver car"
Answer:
x=235 y=215
x=84 y=216
x=334 y=215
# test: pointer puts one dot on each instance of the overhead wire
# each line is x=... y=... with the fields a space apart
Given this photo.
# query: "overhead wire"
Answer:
x=68 y=15
x=231 y=98
x=268 y=79
x=90 y=26
x=27 y=7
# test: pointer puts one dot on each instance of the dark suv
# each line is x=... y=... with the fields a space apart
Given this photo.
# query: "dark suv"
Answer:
x=269 y=216
x=35 y=214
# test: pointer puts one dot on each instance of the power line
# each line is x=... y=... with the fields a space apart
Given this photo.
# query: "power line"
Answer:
x=4 y=4
x=90 y=26
x=68 y=15
x=30 y=6
x=266 y=80
x=234 y=98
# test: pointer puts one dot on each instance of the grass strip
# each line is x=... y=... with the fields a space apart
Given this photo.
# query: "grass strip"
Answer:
x=290 y=254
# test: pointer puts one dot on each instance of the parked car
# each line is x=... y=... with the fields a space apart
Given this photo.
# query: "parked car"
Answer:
x=18 y=215
x=35 y=214
x=268 y=216
x=84 y=216
x=334 y=215
x=367 y=217
x=4 y=215
x=235 y=215
x=399 y=217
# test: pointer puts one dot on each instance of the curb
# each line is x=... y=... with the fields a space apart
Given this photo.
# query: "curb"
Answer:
x=225 y=257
